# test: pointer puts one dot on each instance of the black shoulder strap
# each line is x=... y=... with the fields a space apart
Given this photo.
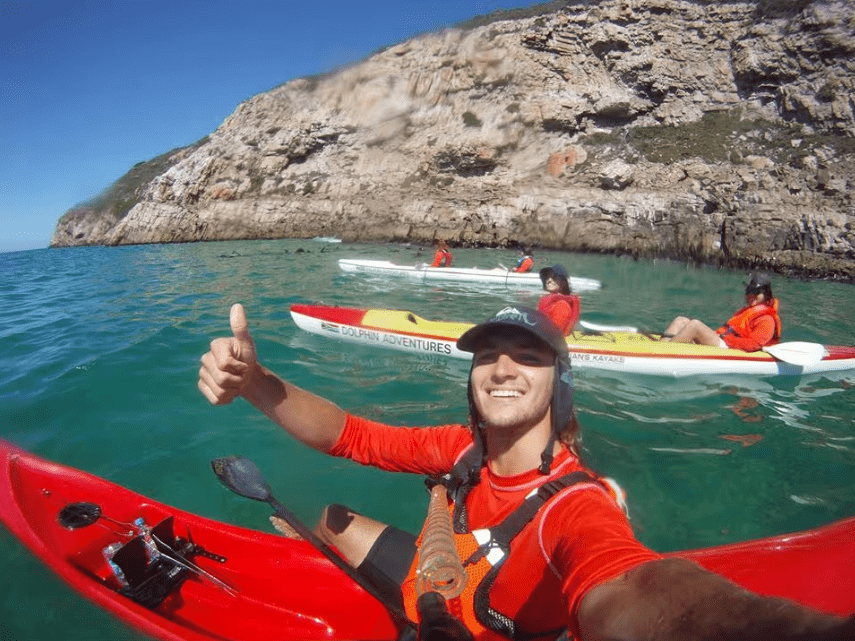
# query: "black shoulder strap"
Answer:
x=505 y=532
x=465 y=475
x=501 y=536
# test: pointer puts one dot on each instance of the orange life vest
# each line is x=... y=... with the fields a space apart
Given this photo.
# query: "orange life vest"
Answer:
x=525 y=264
x=742 y=321
x=484 y=551
x=442 y=258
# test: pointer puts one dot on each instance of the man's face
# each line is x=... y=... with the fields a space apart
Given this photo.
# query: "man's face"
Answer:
x=512 y=380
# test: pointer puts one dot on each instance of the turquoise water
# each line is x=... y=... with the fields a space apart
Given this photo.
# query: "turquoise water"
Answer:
x=99 y=352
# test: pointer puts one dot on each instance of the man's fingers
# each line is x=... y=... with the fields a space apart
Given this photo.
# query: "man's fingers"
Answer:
x=214 y=397
x=224 y=355
x=225 y=368
x=237 y=321
x=224 y=371
x=217 y=393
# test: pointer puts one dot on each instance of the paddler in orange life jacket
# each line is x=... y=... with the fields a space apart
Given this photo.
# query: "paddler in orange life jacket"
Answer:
x=442 y=257
x=750 y=329
x=559 y=304
x=525 y=262
x=545 y=541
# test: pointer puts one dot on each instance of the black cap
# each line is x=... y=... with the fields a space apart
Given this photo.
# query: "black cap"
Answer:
x=555 y=270
x=758 y=283
x=524 y=318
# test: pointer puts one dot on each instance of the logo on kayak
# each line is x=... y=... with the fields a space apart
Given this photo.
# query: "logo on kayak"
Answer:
x=579 y=358
x=329 y=327
x=406 y=343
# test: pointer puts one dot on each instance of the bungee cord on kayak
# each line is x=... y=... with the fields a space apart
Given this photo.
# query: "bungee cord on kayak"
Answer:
x=148 y=566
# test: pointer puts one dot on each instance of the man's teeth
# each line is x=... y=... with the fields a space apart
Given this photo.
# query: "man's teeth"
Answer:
x=505 y=393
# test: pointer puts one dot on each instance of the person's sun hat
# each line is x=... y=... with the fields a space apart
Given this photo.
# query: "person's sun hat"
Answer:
x=556 y=271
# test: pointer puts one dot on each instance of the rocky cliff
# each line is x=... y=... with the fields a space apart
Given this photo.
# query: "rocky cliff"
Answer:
x=713 y=131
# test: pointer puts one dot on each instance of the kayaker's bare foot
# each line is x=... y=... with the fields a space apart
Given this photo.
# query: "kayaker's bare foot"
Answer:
x=284 y=528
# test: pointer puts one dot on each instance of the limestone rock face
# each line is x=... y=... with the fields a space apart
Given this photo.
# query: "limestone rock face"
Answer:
x=711 y=131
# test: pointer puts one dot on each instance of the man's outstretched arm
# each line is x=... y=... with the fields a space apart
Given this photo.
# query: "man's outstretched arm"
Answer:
x=676 y=600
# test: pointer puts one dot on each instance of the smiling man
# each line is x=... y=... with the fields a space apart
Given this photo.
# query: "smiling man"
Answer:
x=554 y=551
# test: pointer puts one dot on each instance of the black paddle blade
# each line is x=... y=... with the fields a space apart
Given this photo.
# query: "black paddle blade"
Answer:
x=241 y=476
x=77 y=515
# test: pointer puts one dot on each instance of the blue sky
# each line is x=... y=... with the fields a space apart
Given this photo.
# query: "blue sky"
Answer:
x=89 y=88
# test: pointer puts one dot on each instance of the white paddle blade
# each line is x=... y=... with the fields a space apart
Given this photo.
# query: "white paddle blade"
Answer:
x=797 y=352
x=607 y=328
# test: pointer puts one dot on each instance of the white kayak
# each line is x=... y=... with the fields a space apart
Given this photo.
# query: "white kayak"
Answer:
x=497 y=276
x=619 y=351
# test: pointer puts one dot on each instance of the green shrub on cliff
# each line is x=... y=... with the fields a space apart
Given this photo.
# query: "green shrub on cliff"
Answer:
x=118 y=199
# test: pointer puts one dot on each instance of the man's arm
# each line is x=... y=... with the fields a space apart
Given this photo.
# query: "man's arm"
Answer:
x=676 y=600
x=231 y=369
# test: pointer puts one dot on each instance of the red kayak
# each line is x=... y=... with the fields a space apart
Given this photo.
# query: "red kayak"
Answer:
x=180 y=576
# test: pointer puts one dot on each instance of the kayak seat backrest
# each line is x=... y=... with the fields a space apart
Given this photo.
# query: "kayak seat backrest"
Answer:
x=132 y=561
x=133 y=558
x=149 y=583
x=164 y=533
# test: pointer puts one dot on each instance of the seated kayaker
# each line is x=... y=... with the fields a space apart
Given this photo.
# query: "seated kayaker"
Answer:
x=750 y=329
x=565 y=558
x=525 y=262
x=560 y=304
x=442 y=257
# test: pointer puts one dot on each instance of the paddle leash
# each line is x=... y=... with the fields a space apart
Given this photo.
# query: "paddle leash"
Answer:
x=440 y=574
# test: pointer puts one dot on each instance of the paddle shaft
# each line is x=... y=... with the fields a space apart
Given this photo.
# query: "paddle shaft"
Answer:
x=609 y=328
x=281 y=511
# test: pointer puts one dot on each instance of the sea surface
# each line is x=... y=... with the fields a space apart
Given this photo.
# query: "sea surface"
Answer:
x=99 y=354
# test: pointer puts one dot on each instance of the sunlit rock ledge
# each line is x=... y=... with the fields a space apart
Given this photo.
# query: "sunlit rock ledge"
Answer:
x=718 y=132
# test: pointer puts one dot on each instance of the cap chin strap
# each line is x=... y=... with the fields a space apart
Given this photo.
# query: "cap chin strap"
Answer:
x=546 y=455
x=562 y=407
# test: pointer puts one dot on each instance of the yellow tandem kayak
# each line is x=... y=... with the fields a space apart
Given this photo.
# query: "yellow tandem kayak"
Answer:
x=620 y=351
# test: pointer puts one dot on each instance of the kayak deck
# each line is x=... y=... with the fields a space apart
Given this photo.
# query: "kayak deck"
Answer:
x=280 y=588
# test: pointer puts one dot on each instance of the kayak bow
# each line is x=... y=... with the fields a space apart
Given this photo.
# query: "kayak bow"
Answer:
x=282 y=588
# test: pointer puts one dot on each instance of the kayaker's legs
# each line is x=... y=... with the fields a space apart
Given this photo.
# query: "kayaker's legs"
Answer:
x=381 y=553
x=695 y=331
x=675 y=327
x=388 y=563
x=349 y=532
